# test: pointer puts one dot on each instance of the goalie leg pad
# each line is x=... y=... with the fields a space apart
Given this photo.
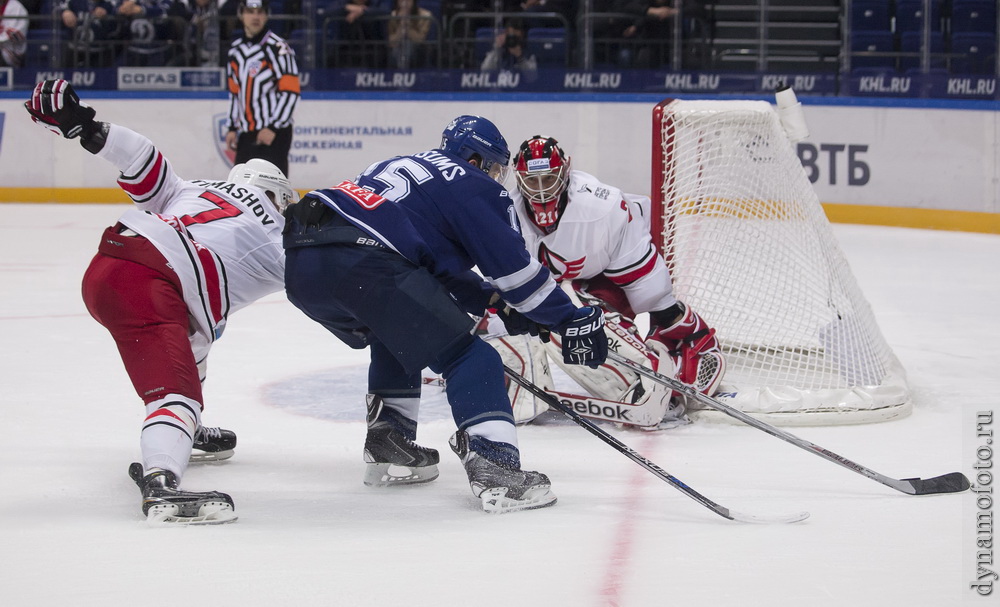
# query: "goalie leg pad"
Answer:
x=526 y=356
x=694 y=349
x=650 y=404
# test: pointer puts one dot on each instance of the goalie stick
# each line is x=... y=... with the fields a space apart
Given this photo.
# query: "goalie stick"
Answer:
x=953 y=482
x=645 y=463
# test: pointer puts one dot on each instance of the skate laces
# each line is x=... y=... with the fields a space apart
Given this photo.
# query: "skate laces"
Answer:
x=205 y=433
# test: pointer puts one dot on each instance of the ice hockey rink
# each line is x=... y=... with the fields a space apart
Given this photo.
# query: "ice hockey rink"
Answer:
x=310 y=533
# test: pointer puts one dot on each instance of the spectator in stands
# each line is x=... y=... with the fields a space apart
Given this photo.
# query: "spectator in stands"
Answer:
x=408 y=31
x=264 y=89
x=608 y=24
x=94 y=32
x=362 y=33
x=152 y=30
x=639 y=33
x=653 y=30
x=203 y=25
x=510 y=53
x=13 y=33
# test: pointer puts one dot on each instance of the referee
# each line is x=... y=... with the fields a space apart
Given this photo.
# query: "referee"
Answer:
x=263 y=89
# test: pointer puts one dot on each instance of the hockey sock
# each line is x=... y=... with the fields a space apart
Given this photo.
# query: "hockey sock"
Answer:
x=398 y=390
x=502 y=454
x=399 y=413
x=168 y=433
x=499 y=433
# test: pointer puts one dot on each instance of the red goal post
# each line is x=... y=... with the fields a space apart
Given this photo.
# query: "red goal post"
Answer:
x=750 y=248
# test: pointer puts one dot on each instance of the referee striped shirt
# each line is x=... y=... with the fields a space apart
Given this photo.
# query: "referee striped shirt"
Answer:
x=263 y=83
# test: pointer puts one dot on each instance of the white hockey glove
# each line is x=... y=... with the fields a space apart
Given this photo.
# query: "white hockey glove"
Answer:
x=583 y=338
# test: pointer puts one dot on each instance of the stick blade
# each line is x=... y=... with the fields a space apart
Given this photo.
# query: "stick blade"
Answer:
x=953 y=482
x=757 y=519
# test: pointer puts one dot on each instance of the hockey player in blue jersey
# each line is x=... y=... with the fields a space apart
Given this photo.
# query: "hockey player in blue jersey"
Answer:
x=385 y=262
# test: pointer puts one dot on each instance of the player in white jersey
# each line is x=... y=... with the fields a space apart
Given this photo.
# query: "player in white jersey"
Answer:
x=164 y=281
x=598 y=238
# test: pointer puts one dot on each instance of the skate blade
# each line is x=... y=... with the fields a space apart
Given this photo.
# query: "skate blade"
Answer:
x=201 y=457
x=495 y=500
x=666 y=425
x=210 y=513
x=389 y=475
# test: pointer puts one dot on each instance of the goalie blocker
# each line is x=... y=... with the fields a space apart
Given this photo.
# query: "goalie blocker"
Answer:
x=614 y=392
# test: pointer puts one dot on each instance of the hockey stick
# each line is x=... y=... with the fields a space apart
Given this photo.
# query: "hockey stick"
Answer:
x=645 y=463
x=953 y=482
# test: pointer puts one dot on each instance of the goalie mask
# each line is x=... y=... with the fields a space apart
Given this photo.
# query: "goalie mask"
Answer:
x=542 y=171
x=474 y=136
x=266 y=176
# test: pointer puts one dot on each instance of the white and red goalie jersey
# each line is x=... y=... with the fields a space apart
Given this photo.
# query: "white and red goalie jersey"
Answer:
x=602 y=231
x=222 y=239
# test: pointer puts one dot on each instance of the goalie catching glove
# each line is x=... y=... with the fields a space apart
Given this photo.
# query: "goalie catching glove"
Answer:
x=691 y=344
x=583 y=338
x=56 y=106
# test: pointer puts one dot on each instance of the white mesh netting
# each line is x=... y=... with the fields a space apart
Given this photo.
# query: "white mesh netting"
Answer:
x=750 y=248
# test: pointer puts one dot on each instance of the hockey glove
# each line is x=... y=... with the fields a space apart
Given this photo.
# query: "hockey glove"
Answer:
x=583 y=338
x=56 y=106
x=519 y=324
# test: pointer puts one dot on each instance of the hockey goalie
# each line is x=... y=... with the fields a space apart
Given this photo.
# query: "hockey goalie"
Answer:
x=596 y=241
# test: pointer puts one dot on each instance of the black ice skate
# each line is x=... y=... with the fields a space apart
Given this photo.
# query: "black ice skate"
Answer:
x=496 y=477
x=391 y=456
x=212 y=445
x=163 y=502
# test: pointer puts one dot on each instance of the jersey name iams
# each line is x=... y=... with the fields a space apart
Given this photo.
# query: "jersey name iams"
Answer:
x=449 y=168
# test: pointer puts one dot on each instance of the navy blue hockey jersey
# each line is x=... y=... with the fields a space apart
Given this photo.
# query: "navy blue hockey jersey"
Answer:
x=444 y=214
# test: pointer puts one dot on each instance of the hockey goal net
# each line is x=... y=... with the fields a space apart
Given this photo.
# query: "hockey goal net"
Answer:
x=750 y=248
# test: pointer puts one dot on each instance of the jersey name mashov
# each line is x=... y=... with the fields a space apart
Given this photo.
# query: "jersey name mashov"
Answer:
x=239 y=194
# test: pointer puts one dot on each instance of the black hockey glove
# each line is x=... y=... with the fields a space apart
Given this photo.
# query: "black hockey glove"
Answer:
x=583 y=338
x=56 y=106
x=519 y=324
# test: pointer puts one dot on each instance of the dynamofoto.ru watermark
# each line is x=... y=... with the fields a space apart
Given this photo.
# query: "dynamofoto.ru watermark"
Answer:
x=983 y=490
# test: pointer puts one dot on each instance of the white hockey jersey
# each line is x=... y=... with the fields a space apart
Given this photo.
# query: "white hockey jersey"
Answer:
x=602 y=231
x=222 y=239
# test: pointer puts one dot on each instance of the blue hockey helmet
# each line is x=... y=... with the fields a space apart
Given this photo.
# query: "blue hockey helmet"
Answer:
x=468 y=136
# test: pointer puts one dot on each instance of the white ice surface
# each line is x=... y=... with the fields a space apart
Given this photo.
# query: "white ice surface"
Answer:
x=309 y=533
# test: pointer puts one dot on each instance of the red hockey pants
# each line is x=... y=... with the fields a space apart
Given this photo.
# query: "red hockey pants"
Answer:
x=130 y=289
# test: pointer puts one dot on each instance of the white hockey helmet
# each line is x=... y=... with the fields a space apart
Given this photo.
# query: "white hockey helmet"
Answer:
x=264 y=175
